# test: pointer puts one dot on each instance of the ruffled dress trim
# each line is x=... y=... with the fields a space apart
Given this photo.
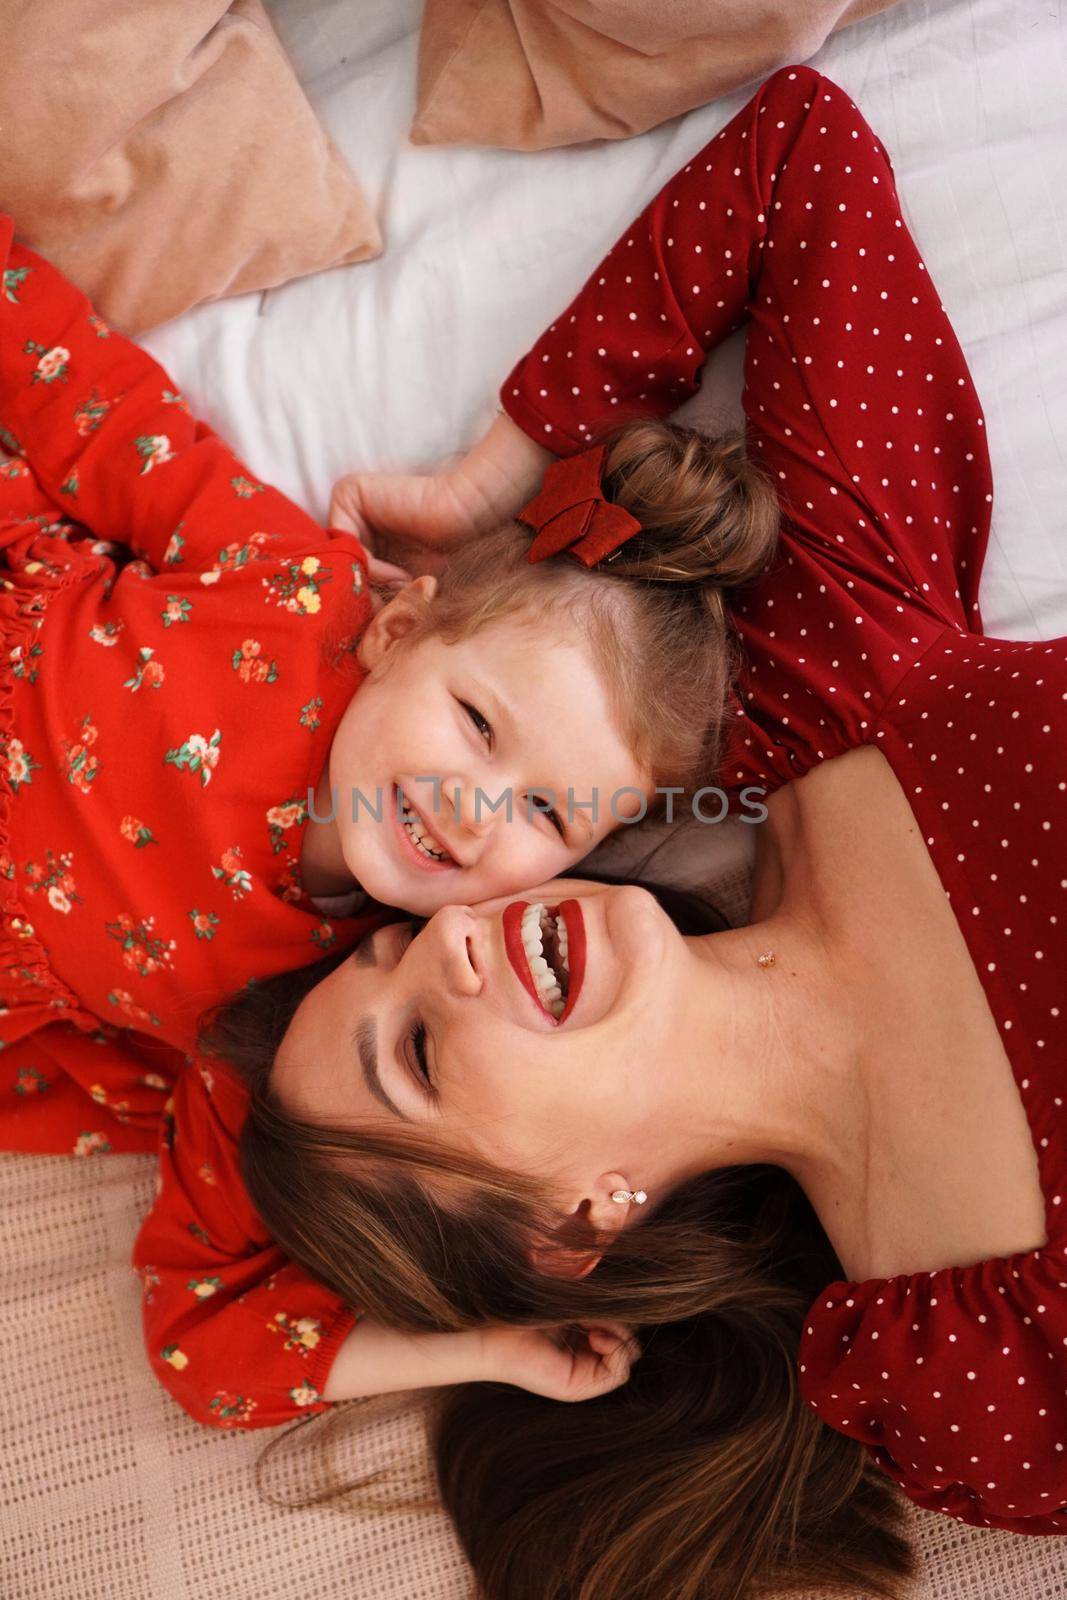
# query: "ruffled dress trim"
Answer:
x=35 y=566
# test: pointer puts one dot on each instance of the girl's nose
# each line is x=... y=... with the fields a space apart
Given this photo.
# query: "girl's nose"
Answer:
x=453 y=928
x=469 y=806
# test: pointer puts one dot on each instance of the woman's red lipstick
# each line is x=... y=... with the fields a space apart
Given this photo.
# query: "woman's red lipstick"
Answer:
x=574 y=922
x=571 y=913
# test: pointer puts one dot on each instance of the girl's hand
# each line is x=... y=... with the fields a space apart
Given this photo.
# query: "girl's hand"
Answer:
x=539 y=1360
x=374 y=1359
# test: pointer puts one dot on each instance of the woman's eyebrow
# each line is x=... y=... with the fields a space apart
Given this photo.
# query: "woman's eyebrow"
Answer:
x=365 y=1039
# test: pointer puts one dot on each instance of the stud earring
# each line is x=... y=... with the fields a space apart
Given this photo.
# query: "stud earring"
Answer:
x=624 y=1196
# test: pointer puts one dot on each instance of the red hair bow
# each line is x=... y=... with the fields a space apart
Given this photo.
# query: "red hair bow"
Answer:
x=571 y=513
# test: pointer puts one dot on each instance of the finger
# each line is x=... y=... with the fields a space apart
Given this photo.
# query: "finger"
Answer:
x=383 y=572
x=345 y=513
x=602 y=1340
x=605 y=1336
x=617 y=1368
x=396 y=502
x=619 y=1361
x=607 y=1372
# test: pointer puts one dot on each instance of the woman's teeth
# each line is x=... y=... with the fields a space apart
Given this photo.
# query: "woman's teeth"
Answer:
x=419 y=837
x=544 y=939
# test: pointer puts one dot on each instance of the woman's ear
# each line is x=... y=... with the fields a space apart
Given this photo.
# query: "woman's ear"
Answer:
x=599 y=1215
x=395 y=620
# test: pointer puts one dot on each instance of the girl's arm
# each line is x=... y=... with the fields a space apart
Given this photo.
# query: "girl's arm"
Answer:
x=241 y=1337
x=377 y=1360
x=111 y=440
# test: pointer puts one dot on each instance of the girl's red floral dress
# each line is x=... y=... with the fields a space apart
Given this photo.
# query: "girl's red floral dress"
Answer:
x=178 y=646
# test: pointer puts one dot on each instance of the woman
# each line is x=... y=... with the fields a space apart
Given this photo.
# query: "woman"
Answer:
x=884 y=1045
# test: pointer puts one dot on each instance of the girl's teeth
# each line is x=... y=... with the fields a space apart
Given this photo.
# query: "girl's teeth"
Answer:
x=536 y=921
x=421 y=839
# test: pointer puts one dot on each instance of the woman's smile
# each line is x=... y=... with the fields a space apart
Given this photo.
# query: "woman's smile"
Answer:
x=508 y=1004
x=546 y=946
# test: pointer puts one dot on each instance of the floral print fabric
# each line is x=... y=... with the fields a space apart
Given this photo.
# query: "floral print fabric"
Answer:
x=178 y=648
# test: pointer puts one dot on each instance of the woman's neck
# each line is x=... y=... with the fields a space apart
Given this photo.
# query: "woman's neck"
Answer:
x=779 y=1077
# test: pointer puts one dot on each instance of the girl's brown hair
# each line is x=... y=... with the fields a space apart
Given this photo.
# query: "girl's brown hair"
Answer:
x=656 y=613
x=705 y=1477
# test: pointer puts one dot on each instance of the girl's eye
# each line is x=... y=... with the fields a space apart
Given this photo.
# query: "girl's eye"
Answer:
x=479 y=721
x=551 y=814
x=417 y=1054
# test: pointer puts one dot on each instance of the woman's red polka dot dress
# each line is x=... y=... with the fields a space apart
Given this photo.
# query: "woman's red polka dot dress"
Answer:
x=861 y=408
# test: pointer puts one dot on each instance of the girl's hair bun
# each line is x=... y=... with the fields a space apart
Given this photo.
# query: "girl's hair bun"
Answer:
x=656 y=613
x=708 y=514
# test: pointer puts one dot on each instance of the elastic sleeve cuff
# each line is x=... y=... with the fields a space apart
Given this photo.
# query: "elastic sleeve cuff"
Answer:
x=543 y=432
x=328 y=1346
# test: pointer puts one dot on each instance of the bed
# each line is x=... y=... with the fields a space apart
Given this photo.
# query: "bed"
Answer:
x=109 y=1490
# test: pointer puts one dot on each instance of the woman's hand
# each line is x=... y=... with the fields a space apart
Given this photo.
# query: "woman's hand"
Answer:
x=413 y=517
x=539 y=1360
x=417 y=518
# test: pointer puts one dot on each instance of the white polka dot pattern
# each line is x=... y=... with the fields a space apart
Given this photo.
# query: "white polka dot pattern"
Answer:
x=867 y=630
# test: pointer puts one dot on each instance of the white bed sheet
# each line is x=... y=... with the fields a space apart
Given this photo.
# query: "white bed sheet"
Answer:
x=396 y=362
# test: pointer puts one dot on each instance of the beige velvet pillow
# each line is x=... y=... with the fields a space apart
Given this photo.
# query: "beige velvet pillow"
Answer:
x=162 y=154
x=532 y=73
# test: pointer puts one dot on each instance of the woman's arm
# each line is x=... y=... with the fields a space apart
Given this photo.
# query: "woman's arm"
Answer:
x=112 y=441
x=788 y=220
x=859 y=402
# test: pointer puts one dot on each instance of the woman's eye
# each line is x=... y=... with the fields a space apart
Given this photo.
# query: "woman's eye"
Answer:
x=417 y=1053
x=557 y=822
x=479 y=721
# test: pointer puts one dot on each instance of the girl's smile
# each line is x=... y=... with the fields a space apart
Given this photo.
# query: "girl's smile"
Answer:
x=422 y=842
x=498 y=758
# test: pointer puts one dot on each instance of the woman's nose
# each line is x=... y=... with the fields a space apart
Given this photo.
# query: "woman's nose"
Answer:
x=453 y=950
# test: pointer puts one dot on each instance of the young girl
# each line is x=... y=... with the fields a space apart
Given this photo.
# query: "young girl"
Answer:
x=183 y=650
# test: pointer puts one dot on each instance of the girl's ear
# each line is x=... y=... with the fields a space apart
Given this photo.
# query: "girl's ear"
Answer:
x=598 y=1214
x=395 y=620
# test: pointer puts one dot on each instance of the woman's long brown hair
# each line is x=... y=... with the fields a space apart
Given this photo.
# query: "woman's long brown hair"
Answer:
x=706 y=1476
